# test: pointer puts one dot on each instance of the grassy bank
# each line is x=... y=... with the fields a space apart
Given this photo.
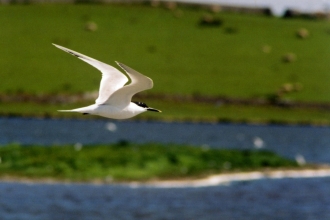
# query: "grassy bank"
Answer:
x=241 y=58
x=125 y=161
x=183 y=111
x=190 y=112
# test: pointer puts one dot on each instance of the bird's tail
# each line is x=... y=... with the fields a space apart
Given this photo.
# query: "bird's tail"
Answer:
x=66 y=110
x=84 y=110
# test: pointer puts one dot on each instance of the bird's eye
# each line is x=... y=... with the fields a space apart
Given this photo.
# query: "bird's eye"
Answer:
x=141 y=104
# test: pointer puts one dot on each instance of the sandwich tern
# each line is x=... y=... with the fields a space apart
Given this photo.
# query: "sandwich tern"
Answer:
x=114 y=100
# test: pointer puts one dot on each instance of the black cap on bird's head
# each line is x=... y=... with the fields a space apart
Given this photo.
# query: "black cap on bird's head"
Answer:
x=144 y=105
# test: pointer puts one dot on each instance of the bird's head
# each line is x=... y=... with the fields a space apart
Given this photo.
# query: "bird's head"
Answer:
x=144 y=105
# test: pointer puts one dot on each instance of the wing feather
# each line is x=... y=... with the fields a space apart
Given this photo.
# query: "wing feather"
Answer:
x=112 y=78
x=123 y=96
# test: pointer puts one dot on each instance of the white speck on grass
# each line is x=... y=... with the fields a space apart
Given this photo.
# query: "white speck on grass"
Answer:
x=78 y=146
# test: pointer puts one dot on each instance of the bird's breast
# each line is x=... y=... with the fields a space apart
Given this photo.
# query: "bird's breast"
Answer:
x=116 y=112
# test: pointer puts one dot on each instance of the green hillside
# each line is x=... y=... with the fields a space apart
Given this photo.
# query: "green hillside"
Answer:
x=241 y=58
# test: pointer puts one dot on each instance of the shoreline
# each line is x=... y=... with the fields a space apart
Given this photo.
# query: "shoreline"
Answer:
x=212 y=180
x=226 y=179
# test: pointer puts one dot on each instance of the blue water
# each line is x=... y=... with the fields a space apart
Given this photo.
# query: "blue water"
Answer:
x=263 y=199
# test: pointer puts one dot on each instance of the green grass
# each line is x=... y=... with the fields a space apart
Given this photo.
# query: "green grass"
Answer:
x=234 y=113
x=181 y=57
x=126 y=161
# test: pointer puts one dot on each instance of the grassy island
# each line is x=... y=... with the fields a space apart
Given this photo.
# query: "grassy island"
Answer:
x=126 y=161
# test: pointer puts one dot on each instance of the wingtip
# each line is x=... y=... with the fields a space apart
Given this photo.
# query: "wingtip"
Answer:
x=59 y=47
x=119 y=63
x=123 y=66
x=56 y=45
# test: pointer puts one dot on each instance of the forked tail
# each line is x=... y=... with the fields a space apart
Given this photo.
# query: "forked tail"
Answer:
x=66 y=110
x=83 y=110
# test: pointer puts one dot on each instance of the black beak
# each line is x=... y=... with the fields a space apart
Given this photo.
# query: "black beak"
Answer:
x=153 y=109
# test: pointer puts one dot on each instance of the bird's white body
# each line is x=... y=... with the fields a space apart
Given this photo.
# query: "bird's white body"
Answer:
x=114 y=99
x=109 y=111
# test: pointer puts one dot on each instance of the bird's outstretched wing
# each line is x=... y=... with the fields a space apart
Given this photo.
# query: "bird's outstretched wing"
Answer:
x=122 y=97
x=112 y=79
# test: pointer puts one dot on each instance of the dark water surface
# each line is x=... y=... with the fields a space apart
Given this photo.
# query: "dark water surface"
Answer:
x=264 y=199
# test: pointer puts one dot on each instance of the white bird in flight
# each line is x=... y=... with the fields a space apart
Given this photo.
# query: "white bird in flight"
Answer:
x=114 y=99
